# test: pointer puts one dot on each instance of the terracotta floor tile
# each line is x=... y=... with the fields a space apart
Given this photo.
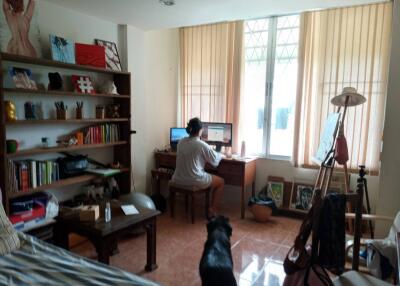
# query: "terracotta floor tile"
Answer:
x=258 y=249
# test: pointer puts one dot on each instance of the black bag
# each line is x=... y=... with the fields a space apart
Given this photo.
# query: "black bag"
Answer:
x=72 y=165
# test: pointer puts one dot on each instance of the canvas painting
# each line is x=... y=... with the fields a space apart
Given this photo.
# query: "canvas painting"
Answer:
x=62 y=50
x=22 y=78
x=90 y=55
x=275 y=192
x=19 y=29
x=327 y=138
x=112 y=57
x=304 y=195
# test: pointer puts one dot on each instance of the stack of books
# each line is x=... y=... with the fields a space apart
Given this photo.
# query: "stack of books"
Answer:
x=32 y=174
x=105 y=133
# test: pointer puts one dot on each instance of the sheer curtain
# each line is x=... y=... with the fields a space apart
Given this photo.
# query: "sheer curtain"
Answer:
x=211 y=71
x=343 y=47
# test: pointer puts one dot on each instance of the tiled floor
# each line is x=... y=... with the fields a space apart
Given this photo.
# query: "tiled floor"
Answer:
x=258 y=249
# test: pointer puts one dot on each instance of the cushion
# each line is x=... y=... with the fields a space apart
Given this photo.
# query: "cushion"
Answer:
x=9 y=240
x=351 y=278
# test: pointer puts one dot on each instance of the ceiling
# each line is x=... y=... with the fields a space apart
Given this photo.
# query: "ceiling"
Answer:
x=151 y=15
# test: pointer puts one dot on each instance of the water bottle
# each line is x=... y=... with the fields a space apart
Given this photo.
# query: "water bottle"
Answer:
x=243 y=150
x=107 y=214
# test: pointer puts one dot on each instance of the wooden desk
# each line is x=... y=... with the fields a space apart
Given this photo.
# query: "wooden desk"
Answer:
x=240 y=172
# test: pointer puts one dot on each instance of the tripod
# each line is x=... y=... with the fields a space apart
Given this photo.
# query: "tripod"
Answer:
x=362 y=174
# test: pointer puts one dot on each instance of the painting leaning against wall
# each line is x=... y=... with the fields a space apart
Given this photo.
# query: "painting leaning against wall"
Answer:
x=19 y=30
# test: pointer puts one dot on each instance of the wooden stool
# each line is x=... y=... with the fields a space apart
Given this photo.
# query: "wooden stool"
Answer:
x=190 y=193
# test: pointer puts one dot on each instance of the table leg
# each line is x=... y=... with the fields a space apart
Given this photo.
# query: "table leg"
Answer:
x=242 y=203
x=104 y=248
x=61 y=237
x=151 y=245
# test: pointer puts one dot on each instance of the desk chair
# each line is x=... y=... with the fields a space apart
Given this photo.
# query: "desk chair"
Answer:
x=189 y=193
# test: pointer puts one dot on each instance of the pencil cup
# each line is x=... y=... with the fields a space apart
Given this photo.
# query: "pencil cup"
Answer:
x=79 y=113
x=61 y=114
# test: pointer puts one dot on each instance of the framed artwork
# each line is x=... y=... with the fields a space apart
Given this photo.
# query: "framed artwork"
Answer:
x=113 y=61
x=275 y=192
x=19 y=29
x=90 y=55
x=62 y=50
x=22 y=78
x=302 y=196
x=338 y=183
x=83 y=84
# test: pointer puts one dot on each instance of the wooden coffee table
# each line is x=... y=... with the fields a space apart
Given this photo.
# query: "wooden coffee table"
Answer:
x=105 y=235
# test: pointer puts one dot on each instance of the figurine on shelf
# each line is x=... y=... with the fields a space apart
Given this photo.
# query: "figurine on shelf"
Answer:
x=113 y=111
x=30 y=111
x=55 y=81
x=71 y=141
x=108 y=87
x=11 y=112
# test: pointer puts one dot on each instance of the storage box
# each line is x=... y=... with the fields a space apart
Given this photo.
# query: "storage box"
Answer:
x=89 y=213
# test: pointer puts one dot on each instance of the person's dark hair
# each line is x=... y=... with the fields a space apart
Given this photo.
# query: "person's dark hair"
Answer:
x=194 y=126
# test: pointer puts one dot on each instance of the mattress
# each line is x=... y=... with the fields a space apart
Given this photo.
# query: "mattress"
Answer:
x=38 y=262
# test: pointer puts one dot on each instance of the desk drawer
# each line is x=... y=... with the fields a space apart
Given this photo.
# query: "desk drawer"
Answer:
x=230 y=169
x=166 y=161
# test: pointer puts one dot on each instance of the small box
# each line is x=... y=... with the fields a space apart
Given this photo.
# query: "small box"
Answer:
x=89 y=213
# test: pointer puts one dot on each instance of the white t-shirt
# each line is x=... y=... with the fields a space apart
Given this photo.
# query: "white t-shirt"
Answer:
x=192 y=156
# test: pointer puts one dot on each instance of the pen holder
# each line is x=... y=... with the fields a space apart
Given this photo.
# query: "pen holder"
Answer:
x=79 y=113
x=61 y=114
x=100 y=112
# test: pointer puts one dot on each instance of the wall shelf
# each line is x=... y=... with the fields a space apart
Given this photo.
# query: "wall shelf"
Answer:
x=36 y=151
x=68 y=121
x=61 y=183
x=51 y=63
x=17 y=91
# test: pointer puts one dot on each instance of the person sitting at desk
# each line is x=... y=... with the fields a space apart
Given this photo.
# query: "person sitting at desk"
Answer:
x=192 y=156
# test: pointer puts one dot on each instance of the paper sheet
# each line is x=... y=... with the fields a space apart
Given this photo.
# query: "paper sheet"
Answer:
x=129 y=209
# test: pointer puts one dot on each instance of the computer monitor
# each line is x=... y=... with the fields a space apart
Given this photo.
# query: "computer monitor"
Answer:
x=218 y=134
x=176 y=134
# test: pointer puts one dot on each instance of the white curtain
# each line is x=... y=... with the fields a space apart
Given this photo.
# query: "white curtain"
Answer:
x=211 y=71
x=343 y=47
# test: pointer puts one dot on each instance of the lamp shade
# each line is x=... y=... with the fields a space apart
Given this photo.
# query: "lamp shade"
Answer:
x=350 y=92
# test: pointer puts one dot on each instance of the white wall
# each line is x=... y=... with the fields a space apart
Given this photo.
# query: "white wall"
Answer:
x=153 y=61
x=389 y=196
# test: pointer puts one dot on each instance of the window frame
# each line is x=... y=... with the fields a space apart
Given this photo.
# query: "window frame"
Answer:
x=270 y=72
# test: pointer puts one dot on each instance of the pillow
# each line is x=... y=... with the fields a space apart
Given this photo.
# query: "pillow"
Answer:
x=9 y=240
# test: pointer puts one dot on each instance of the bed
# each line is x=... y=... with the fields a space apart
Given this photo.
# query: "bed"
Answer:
x=39 y=263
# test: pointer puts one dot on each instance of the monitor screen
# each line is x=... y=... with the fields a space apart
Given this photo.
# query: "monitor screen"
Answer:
x=217 y=133
x=177 y=134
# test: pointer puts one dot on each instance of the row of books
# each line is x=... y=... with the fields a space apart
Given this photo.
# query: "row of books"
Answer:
x=31 y=174
x=104 y=133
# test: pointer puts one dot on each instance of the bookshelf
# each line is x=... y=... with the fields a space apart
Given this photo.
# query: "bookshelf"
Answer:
x=120 y=149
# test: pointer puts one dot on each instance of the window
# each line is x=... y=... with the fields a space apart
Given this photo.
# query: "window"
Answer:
x=271 y=49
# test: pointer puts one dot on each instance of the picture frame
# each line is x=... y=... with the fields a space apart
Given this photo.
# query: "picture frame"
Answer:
x=83 y=84
x=302 y=196
x=276 y=192
x=113 y=61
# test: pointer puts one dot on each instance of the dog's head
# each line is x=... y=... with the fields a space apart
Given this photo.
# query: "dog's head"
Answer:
x=219 y=222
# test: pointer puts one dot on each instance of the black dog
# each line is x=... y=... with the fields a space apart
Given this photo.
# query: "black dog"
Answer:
x=216 y=265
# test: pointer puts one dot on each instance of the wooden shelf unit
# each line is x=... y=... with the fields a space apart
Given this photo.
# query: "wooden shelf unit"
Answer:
x=36 y=151
x=34 y=92
x=62 y=183
x=121 y=150
x=67 y=121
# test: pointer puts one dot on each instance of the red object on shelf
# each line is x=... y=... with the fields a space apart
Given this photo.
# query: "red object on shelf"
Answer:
x=39 y=210
x=83 y=84
x=90 y=55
